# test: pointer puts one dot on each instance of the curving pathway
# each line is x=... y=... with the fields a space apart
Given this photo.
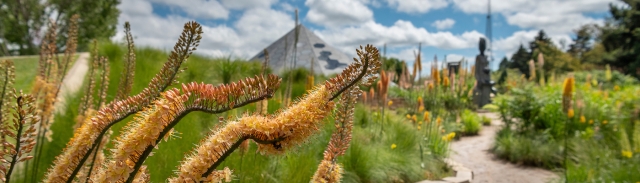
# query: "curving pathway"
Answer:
x=73 y=80
x=473 y=153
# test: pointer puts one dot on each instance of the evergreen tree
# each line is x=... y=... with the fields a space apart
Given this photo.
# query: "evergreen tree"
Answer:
x=519 y=60
x=504 y=64
x=621 y=38
x=541 y=38
x=581 y=43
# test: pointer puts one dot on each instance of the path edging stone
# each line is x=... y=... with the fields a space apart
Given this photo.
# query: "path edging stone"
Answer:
x=462 y=174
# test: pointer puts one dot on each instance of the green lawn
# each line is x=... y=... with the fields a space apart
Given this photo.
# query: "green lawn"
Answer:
x=26 y=70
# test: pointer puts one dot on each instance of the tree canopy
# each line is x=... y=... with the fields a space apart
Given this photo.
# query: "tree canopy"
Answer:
x=621 y=38
x=23 y=22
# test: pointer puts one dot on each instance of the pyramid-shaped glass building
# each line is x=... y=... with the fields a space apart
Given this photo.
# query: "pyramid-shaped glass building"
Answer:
x=326 y=59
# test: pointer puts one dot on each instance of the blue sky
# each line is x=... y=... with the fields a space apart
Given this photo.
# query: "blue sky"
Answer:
x=444 y=27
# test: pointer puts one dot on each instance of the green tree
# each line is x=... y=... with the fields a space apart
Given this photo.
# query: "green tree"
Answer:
x=582 y=42
x=621 y=37
x=519 y=60
x=555 y=60
x=504 y=64
x=22 y=22
x=541 y=38
x=20 y=25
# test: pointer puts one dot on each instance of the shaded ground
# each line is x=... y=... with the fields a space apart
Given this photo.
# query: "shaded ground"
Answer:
x=473 y=153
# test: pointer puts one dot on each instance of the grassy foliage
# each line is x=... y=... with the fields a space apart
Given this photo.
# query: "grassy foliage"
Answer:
x=600 y=132
x=471 y=123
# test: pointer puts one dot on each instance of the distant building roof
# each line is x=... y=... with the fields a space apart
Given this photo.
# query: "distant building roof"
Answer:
x=326 y=59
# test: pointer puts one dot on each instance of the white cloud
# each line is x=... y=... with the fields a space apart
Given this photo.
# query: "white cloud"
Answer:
x=218 y=40
x=558 y=18
x=400 y=33
x=287 y=7
x=554 y=16
x=335 y=13
x=510 y=45
x=417 y=6
x=195 y=8
x=551 y=23
x=443 y=24
x=247 y=4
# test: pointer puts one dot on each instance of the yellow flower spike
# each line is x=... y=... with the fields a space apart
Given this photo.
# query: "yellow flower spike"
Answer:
x=277 y=133
x=421 y=108
x=86 y=137
x=408 y=116
x=419 y=128
x=430 y=86
x=446 y=82
x=605 y=122
x=567 y=93
x=393 y=146
x=414 y=118
x=570 y=113
x=425 y=117
x=583 y=119
x=590 y=121
x=390 y=103
x=419 y=99
x=627 y=154
x=438 y=121
x=616 y=88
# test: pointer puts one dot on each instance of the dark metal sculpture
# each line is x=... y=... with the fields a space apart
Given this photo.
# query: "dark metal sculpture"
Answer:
x=484 y=85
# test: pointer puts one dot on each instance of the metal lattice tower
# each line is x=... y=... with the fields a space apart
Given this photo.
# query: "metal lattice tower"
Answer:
x=488 y=33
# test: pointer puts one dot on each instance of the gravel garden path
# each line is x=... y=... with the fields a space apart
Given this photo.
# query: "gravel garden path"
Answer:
x=73 y=80
x=473 y=153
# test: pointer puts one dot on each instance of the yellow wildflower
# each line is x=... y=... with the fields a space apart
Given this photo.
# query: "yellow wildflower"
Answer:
x=616 y=88
x=430 y=86
x=421 y=108
x=408 y=116
x=583 y=119
x=590 y=121
x=439 y=121
x=419 y=128
x=605 y=122
x=393 y=146
x=390 y=103
x=449 y=136
x=425 y=117
x=446 y=82
x=570 y=113
x=627 y=154
x=414 y=118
